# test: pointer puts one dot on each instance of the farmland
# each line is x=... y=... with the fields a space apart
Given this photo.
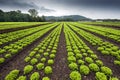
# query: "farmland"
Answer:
x=59 y=51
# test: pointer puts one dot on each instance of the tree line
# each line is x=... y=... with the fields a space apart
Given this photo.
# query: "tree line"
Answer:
x=18 y=16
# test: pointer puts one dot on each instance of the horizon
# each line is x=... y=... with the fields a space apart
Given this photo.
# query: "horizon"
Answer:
x=100 y=9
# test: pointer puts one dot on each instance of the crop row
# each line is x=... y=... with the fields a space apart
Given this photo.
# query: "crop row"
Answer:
x=6 y=37
x=40 y=60
x=82 y=61
x=106 y=48
x=11 y=25
x=107 y=32
x=12 y=49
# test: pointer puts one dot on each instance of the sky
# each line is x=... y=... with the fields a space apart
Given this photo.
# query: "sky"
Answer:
x=95 y=9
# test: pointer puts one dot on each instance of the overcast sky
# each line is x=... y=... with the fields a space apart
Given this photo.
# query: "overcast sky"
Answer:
x=89 y=8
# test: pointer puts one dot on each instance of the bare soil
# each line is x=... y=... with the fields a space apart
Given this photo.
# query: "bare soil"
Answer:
x=60 y=67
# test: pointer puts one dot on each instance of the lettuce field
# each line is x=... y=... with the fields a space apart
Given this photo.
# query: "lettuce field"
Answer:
x=60 y=51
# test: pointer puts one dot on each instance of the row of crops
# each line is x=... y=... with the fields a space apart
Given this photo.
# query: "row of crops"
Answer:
x=85 y=52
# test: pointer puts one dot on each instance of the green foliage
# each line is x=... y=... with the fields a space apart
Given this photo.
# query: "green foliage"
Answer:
x=46 y=54
x=35 y=76
x=78 y=56
x=8 y=55
x=2 y=51
x=114 y=78
x=37 y=56
x=71 y=59
x=33 y=61
x=12 y=75
x=48 y=70
x=75 y=75
x=28 y=69
x=100 y=76
x=99 y=62
x=88 y=60
x=45 y=78
x=106 y=70
x=81 y=62
x=84 y=70
x=43 y=60
x=105 y=52
x=117 y=62
x=73 y=66
x=2 y=60
x=50 y=62
x=40 y=66
x=27 y=59
x=93 y=56
x=94 y=67
x=52 y=56
x=32 y=53
x=22 y=78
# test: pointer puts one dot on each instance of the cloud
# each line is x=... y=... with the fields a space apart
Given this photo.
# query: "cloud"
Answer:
x=17 y=4
x=45 y=10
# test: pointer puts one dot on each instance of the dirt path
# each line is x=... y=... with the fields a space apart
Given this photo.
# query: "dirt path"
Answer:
x=107 y=60
x=17 y=61
x=60 y=68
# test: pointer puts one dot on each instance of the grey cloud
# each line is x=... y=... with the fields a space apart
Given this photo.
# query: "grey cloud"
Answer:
x=44 y=10
x=17 y=4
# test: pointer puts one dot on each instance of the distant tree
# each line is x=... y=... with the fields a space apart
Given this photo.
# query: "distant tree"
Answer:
x=1 y=15
x=43 y=18
x=33 y=12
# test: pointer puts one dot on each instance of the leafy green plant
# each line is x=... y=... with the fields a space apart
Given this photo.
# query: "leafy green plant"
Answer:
x=2 y=60
x=8 y=55
x=84 y=70
x=33 y=61
x=106 y=70
x=32 y=53
x=94 y=67
x=40 y=66
x=78 y=56
x=45 y=78
x=105 y=52
x=43 y=59
x=81 y=62
x=75 y=75
x=71 y=59
x=46 y=54
x=117 y=62
x=88 y=60
x=27 y=59
x=35 y=76
x=48 y=70
x=73 y=66
x=100 y=76
x=114 y=78
x=12 y=75
x=99 y=62
x=93 y=56
x=50 y=62
x=52 y=56
x=22 y=78
x=37 y=56
x=28 y=69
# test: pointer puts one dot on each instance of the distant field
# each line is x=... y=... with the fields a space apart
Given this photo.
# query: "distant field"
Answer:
x=60 y=51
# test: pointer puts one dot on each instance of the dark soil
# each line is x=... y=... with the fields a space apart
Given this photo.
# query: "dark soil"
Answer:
x=107 y=60
x=108 y=26
x=17 y=61
x=20 y=28
x=60 y=67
